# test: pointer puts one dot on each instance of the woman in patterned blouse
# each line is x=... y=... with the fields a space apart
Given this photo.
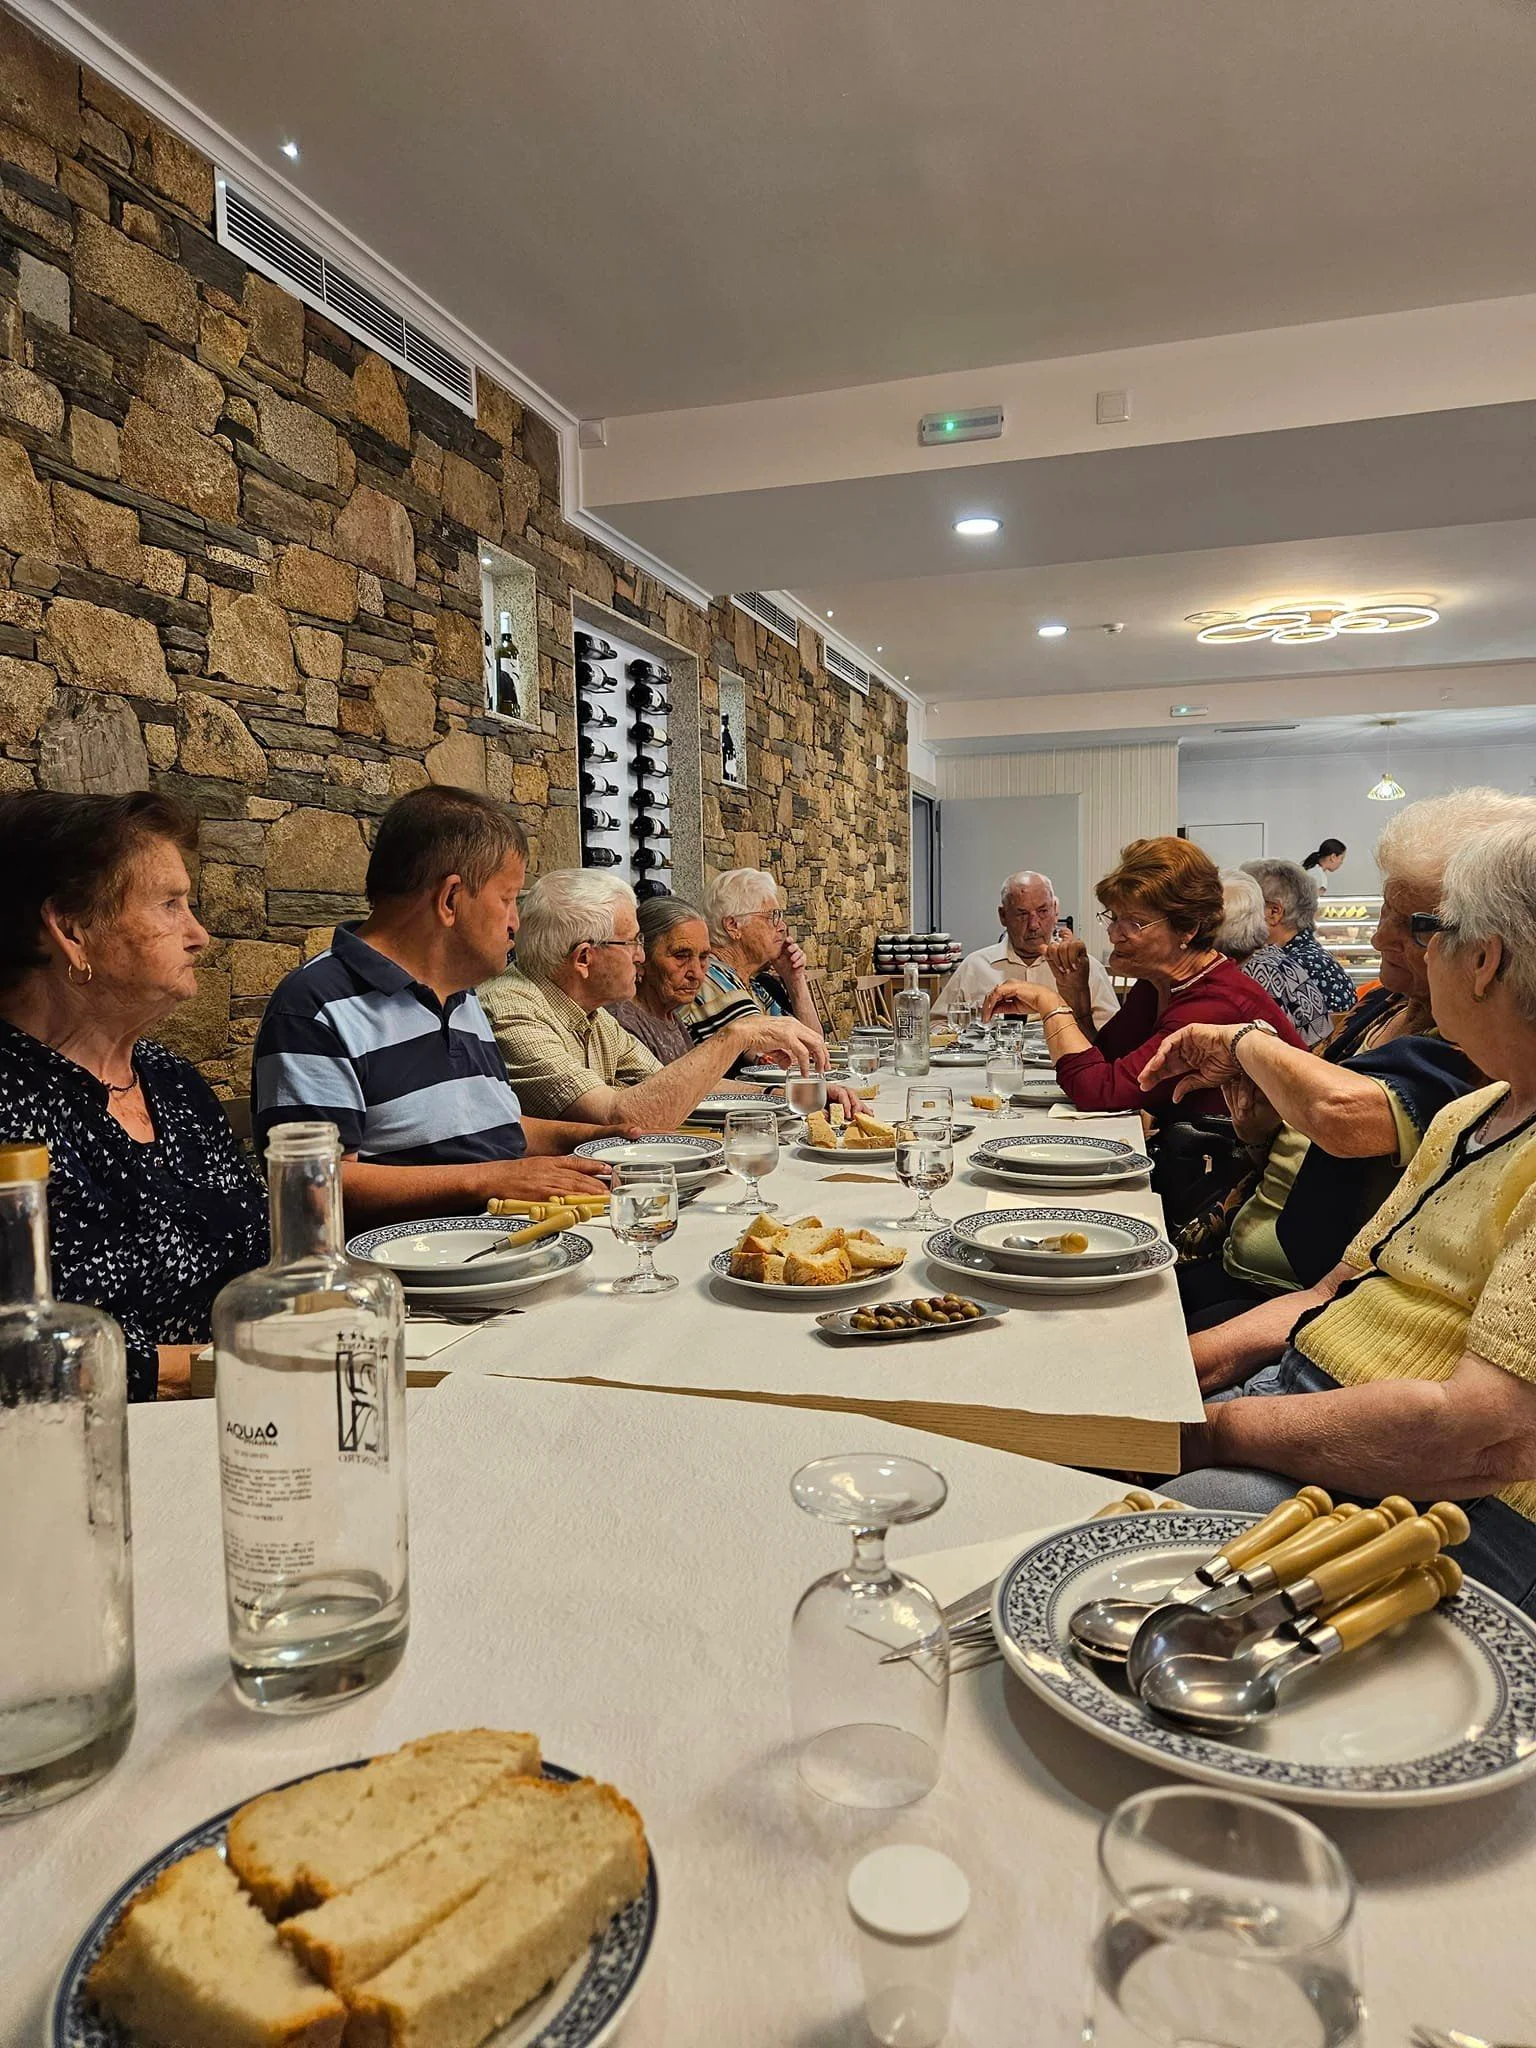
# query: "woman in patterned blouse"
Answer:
x=152 y=1204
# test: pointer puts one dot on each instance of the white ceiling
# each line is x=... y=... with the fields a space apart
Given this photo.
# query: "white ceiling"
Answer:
x=689 y=201
x=1411 y=733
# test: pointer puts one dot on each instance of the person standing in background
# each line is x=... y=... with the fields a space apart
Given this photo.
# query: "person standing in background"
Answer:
x=1329 y=857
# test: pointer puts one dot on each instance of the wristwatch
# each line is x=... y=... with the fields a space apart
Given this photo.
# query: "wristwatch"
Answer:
x=1242 y=1031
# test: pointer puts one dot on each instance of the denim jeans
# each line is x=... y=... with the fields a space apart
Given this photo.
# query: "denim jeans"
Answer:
x=1500 y=1551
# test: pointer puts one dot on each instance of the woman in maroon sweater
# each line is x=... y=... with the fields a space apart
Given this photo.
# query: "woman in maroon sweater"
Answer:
x=1162 y=907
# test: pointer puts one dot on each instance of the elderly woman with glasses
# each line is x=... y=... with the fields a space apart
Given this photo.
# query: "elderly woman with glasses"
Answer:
x=754 y=965
x=1163 y=908
x=1411 y=1366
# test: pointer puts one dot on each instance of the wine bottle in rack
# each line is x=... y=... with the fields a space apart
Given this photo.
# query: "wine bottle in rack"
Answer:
x=594 y=750
x=642 y=671
x=599 y=821
x=647 y=857
x=645 y=799
x=595 y=680
x=646 y=735
x=601 y=857
x=597 y=785
x=643 y=697
x=644 y=765
x=594 y=714
x=647 y=827
x=647 y=886
x=593 y=647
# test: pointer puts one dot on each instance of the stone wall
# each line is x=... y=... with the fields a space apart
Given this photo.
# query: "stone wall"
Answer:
x=238 y=561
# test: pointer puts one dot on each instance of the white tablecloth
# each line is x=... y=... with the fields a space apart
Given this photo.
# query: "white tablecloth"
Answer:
x=1111 y=1355
x=617 y=1570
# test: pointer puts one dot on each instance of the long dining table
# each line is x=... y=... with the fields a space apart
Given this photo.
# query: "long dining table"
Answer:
x=1102 y=1378
x=617 y=1570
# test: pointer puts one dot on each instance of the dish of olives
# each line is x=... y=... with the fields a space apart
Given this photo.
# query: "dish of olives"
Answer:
x=928 y=1315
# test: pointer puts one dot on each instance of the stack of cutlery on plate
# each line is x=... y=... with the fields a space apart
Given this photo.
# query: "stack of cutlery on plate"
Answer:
x=1286 y=1597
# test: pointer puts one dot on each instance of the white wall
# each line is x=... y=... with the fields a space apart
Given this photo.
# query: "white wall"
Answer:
x=1304 y=798
x=1126 y=792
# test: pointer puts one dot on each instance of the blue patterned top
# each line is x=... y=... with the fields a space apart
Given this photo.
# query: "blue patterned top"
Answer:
x=1284 y=977
x=1330 y=974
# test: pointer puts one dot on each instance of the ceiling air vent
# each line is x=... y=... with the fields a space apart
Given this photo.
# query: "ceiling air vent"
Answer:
x=767 y=613
x=839 y=665
x=269 y=244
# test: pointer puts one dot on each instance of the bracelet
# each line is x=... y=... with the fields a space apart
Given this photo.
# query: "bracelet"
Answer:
x=1064 y=1011
x=1242 y=1031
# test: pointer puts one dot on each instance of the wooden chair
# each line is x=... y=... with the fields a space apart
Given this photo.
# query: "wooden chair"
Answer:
x=237 y=1108
x=872 y=999
x=820 y=1000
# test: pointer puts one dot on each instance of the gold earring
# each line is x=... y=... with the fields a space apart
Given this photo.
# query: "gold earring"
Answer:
x=69 y=975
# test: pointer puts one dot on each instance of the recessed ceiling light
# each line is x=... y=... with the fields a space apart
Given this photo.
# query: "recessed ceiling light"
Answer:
x=1050 y=632
x=906 y=679
x=291 y=151
x=485 y=561
x=879 y=649
x=977 y=525
x=829 y=615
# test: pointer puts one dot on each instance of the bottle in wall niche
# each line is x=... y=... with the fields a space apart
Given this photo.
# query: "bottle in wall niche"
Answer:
x=599 y=821
x=509 y=672
x=595 y=681
x=647 y=857
x=601 y=857
x=642 y=671
x=593 y=647
x=643 y=698
x=649 y=800
x=646 y=735
x=910 y=1008
x=594 y=750
x=727 y=748
x=647 y=827
x=594 y=714
x=597 y=785
x=644 y=765
x=311 y=1417
x=66 y=1571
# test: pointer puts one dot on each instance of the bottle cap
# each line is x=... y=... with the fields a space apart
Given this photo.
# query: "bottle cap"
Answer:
x=303 y=1141
x=908 y=1893
x=22 y=1163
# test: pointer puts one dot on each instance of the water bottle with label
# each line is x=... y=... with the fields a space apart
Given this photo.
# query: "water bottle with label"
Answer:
x=311 y=1413
x=66 y=1562
x=910 y=1007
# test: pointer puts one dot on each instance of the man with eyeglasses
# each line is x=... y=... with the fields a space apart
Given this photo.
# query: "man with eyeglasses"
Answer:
x=1031 y=951
x=578 y=949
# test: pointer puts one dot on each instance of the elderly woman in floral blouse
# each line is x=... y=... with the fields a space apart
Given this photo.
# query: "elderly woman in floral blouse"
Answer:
x=152 y=1204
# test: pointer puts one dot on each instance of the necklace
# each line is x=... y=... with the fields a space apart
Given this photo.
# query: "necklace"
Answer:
x=122 y=1087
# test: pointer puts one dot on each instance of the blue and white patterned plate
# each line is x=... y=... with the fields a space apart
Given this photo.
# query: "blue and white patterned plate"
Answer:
x=552 y=1258
x=951 y=1255
x=1063 y=1152
x=720 y=1266
x=581 y=2011
x=1443 y=1710
x=689 y=1157
x=1112 y=1238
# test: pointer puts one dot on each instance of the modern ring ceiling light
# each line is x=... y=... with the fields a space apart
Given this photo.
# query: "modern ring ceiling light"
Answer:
x=1299 y=625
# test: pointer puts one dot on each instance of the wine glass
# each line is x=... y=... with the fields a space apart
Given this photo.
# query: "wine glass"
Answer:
x=1005 y=1074
x=642 y=1209
x=805 y=1093
x=925 y=1160
x=868 y=1733
x=1221 y=1918
x=863 y=1065
x=962 y=1014
x=752 y=1150
x=930 y=1099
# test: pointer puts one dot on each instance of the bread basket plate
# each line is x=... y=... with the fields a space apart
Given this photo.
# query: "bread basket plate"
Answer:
x=808 y=1297
x=1440 y=1711
x=582 y=2010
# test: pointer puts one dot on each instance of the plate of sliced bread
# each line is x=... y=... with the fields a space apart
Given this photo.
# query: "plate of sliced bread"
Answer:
x=793 y=1259
x=455 y=1892
x=863 y=1134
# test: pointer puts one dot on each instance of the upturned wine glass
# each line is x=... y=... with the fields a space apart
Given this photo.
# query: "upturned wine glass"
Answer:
x=867 y=1732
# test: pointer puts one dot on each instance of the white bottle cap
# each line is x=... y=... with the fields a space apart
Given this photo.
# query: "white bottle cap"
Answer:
x=908 y=1893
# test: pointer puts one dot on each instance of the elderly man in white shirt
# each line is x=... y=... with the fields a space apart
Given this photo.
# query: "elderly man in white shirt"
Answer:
x=1029 y=914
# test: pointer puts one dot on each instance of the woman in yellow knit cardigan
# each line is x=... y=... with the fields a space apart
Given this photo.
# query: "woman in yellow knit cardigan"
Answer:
x=1411 y=1367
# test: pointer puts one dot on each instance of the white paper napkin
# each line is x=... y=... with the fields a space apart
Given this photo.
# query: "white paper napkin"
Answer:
x=1066 y=1114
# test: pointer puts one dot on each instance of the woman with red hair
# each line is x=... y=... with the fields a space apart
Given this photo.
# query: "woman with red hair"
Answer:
x=1162 y=909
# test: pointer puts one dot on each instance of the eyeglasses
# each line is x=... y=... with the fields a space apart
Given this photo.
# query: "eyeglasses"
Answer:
x=1423 y=924
x=777 y=918
x=1134 y=925
x=634 y=945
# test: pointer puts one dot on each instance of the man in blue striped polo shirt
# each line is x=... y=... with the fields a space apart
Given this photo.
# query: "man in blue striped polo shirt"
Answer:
x=384 y=1036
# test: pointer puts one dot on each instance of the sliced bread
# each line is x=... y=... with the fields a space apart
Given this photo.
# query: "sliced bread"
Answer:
x=523 y=1821
x=522 y=1929
x=304 y=1843
x=192 y=1964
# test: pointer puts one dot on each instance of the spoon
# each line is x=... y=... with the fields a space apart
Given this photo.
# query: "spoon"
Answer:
x=1225 y=1695
x=1106 y=1628
x=1244 y=1605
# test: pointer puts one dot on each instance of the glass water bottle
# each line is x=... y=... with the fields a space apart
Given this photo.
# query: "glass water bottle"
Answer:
x=66 y=1560
x=311 y=1405
x=910 y=1006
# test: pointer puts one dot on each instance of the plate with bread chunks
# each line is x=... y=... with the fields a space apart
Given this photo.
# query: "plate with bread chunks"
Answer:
x=827 y=1132
x=807 y=1256
x=457 y=1892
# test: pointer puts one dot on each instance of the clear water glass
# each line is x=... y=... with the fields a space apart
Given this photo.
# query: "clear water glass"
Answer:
x=925 y=1162
x=1221 y=1920
x=962 y=1014
x=868 y=1733
x=1005 y=1076
x=806 y=1093
x=930 y=1101
x=642 y=1209
x=751 y=1150
x=863 y=1065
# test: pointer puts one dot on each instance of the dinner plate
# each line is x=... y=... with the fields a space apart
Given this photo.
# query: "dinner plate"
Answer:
x=434 y=1253
x=692 y=1159
x=582 y=2011
x=761 y=1070
x=1078 y=1183
x=958 y=1056
x=951 y=1254
x=845 y=1155
x=1443 y=1710
x=555 y=1255
x=720 y=1266
x=1112 y=1237
x=1065 y=1152
x=714 y=1109
x=838 y=1323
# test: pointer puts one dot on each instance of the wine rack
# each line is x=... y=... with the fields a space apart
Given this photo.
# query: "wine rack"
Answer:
x=624 y=714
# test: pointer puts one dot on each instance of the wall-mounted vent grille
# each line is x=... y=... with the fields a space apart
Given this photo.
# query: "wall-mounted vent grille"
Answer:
x=767 y=613
x=271 y=246
x=839 y=665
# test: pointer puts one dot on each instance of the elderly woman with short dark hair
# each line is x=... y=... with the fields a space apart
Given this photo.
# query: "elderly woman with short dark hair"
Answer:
x=152 y=1204
x=1411 y=1367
